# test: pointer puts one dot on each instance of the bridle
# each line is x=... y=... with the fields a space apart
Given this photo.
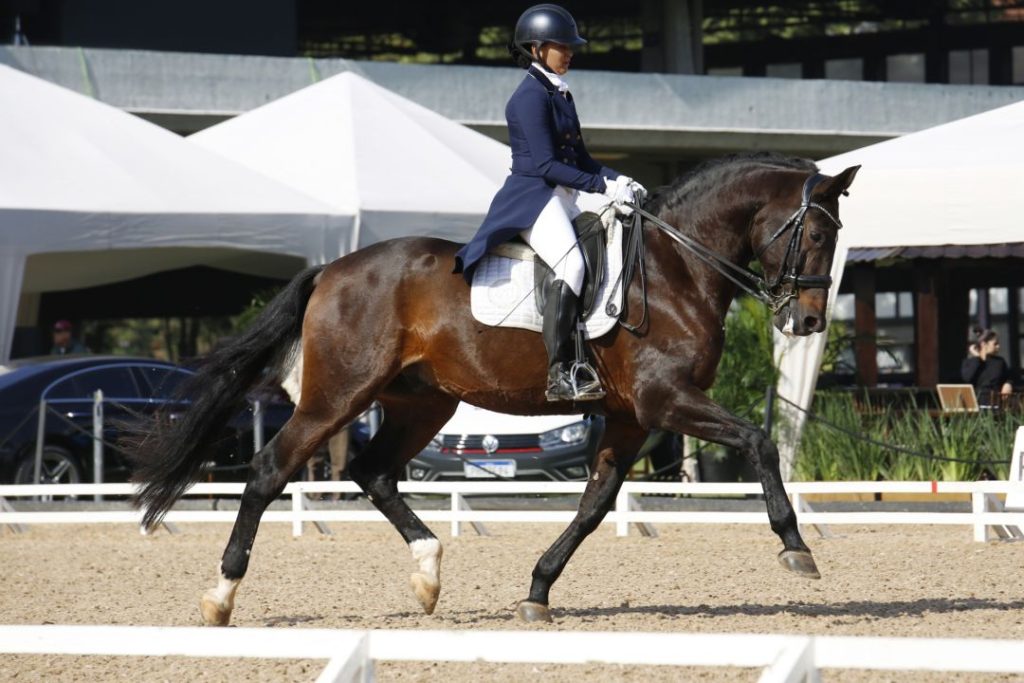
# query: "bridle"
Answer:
x=788 y=274
x=788 y=282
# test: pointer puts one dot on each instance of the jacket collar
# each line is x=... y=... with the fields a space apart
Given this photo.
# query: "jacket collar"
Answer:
x=550 y=81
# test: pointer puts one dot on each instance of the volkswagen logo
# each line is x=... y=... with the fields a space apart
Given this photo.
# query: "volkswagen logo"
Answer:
x=490 y=443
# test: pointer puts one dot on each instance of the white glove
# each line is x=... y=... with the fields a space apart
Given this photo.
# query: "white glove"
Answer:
x=619 y=191
x=639 y=191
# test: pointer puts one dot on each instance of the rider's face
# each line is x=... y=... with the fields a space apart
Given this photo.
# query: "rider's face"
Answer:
x=555 y=57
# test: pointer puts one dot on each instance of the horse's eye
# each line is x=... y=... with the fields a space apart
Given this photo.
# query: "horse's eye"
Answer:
x=816 y=236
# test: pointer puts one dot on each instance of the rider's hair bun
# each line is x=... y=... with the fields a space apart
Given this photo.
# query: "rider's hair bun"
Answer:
x=516 y=52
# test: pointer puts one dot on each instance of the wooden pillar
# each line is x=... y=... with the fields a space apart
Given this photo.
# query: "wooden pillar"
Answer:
x=926 y=317
x=1012 y=349
x=865 y=325
x=954 y=323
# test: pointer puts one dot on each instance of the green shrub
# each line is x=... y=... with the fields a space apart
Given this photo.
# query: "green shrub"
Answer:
x=971 y=439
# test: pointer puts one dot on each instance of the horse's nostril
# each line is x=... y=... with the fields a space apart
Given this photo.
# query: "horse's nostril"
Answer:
x=811 y=322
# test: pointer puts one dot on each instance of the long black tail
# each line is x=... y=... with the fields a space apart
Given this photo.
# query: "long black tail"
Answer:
x=168 y=454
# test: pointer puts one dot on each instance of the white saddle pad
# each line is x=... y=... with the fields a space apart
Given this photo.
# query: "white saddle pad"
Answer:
x=502 y=293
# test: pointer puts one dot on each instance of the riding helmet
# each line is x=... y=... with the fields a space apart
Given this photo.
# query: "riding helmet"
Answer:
x=545 y=23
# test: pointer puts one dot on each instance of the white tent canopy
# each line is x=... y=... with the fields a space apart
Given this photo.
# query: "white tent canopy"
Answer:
x=346 y=141
x=954 y=184
x=80 y=176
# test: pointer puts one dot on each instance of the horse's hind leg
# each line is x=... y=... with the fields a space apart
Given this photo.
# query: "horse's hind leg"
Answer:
x=409 y=423
x=615 y=456
x=271 y=469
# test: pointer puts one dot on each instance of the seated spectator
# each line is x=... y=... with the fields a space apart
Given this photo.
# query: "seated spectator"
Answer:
x=985 y=369
x=63 y=343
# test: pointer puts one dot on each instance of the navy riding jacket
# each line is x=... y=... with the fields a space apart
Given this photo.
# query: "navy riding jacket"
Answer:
x=547 y=151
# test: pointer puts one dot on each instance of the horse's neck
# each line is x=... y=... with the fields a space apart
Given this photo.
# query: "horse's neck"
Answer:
x=722 y=228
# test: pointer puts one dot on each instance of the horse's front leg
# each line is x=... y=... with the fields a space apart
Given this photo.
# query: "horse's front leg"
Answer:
x=691 y=412
x=615 y=456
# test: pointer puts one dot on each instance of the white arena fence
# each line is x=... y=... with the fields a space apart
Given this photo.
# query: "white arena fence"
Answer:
x=351 y=655
x=987 y=513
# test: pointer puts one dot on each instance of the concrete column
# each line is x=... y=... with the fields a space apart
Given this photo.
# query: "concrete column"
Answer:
x=673 y=36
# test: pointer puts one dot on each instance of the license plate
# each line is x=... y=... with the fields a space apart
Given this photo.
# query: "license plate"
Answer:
x=489 y=469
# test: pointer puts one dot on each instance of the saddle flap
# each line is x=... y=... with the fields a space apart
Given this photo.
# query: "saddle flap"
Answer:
x=591 y=238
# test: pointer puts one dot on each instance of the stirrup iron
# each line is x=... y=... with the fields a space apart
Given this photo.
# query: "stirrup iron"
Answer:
x=586 y=385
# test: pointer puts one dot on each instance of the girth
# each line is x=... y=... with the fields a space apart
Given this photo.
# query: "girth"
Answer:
x=590 y=236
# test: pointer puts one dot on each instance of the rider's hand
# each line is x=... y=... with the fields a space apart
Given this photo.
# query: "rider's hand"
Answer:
x=639 y=191
x=619 y=190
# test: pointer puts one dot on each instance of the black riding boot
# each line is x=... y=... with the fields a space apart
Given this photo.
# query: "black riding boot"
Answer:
x=559 y=320
x=561 y=311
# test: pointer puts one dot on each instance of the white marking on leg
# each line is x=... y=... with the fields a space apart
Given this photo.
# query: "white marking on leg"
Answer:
x=427 y=552
x=224 y=593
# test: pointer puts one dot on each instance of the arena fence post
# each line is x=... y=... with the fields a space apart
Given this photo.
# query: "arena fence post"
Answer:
x=622 y=513
x=351 y=665
x=795 y=664
x=97 y=440
x=297 y=507
x=40 y=436
x=978 y=508
x=456 y=506
x=257 y=426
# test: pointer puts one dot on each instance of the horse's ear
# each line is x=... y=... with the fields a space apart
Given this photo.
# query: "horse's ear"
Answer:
x=837 y=184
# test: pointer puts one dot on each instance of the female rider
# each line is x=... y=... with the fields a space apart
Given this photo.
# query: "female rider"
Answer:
x=550 y=168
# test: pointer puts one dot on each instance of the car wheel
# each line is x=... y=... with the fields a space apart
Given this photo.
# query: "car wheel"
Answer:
x=59 y=466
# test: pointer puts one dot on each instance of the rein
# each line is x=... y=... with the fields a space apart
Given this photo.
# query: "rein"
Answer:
x=770 y=294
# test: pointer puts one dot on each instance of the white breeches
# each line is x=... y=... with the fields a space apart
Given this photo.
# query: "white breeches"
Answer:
x=552 y=236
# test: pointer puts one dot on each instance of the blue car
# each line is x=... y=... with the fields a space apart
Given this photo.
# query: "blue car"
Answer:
x=133 y=388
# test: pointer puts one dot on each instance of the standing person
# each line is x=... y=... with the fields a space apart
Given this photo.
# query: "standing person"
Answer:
x=541 y=196
x=64 y=343
x=985 y=369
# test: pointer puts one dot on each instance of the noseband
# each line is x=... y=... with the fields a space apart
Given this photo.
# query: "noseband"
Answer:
x=772 y=293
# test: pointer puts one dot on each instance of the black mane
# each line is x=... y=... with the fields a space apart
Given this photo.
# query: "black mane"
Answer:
x=713 y=171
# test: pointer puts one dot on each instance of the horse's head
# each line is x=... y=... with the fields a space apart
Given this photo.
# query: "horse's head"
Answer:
x=794 y=237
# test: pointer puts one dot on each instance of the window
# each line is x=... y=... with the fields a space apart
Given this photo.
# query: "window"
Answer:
x=968 y=67
x=116 y=383
x=788 y=70
x=905 y=68
x=843 y=308
x=998 y=301
x=161 y=383
x=895 y=314
x=725 y=71
x=894 y=305
x=844 y=69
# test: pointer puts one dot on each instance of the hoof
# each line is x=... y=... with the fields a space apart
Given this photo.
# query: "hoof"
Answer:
x=215 y=612
x=427 y=590
x=532 y=612
x=799 y=562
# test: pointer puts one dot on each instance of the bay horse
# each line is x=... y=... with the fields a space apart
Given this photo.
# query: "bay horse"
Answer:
x=392 y=323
